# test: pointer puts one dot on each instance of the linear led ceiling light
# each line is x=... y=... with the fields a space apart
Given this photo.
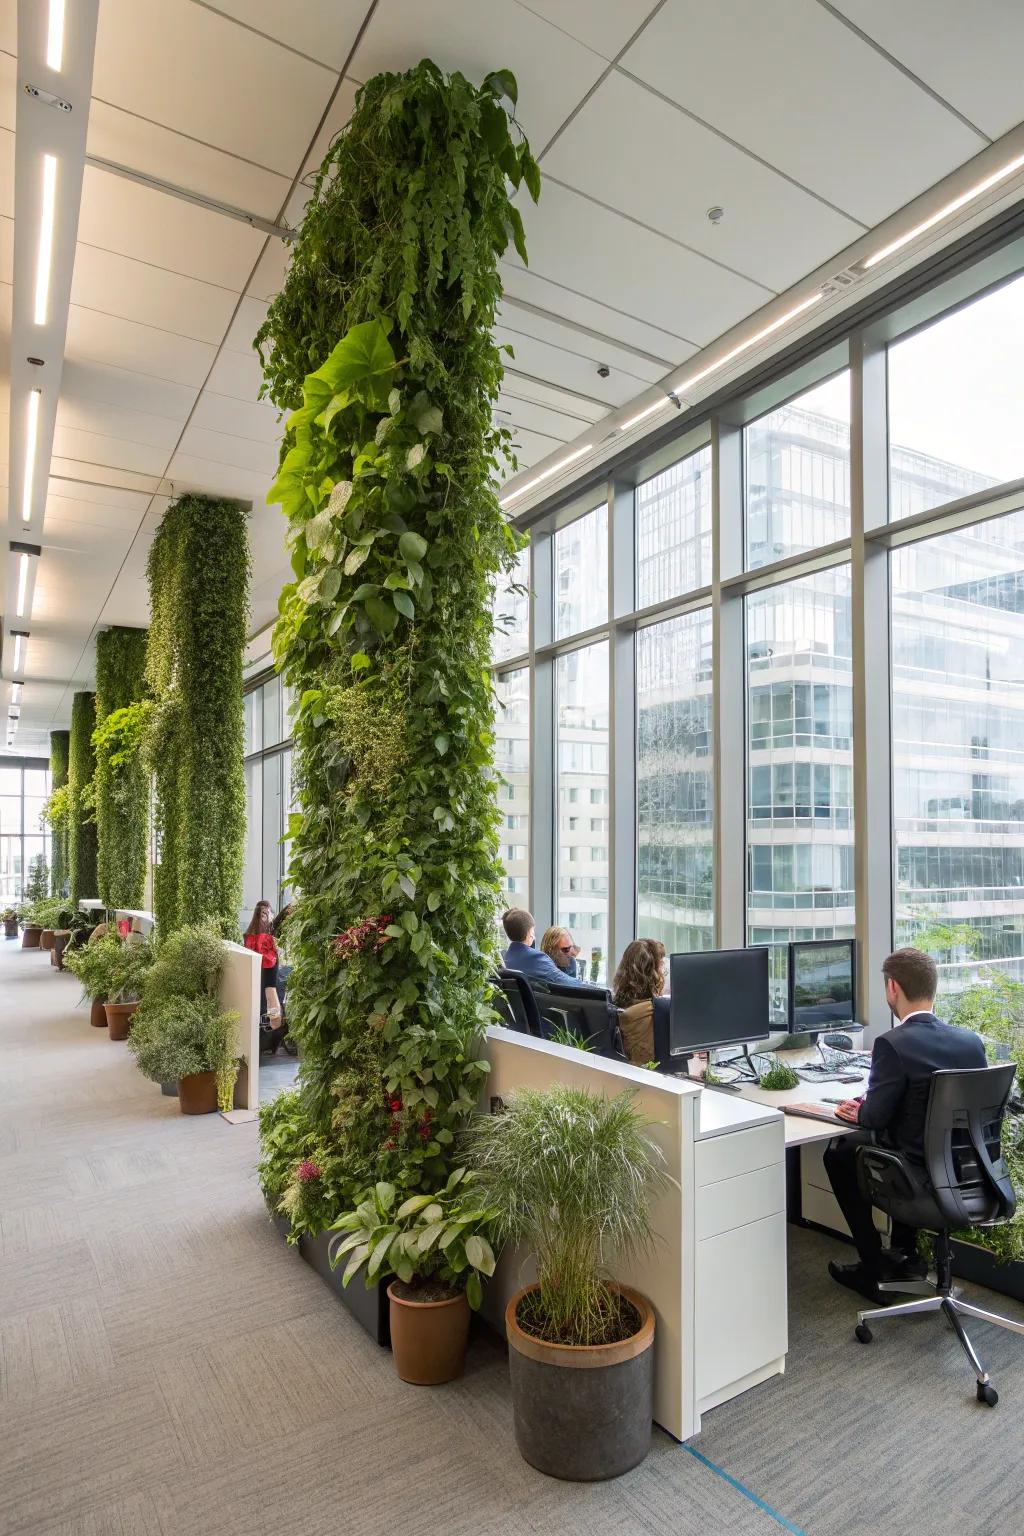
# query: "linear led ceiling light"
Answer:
x=55 y=36
x=744 y=346
x=23 y=560
x=946 y=211
x=546 y=474
x=19 y=646
x=31 y=438
x=16 y=693
x=44 y=261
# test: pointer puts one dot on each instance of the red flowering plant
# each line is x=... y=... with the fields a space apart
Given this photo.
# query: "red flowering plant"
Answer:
x=368 y=934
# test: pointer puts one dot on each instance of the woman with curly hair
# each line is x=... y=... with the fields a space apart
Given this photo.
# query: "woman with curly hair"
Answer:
x=639 y=979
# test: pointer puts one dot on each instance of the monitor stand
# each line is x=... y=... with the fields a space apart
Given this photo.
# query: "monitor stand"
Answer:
x=743 y=1062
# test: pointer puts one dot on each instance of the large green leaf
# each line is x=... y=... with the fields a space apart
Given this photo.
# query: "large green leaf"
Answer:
x=362 y=363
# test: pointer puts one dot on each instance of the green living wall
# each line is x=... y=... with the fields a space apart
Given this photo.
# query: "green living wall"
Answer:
x=58 y=826
x=81 y=813
x=199 y=596
x=122 y=783
x=388 y=482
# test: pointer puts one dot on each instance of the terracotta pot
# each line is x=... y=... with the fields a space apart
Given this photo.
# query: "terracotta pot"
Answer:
x=197 y=1093
x=428 y=1338
x=10 y=927
x=98 y=1013
x=119 y=1019
x=46 y=938
x=582 y=1413
x=30 y=936
x=61 y=936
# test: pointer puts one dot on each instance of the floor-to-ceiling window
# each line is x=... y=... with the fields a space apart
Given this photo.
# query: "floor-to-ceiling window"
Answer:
x=581 y=702
x=512 y=760
x=24 y=786
x=268 y=795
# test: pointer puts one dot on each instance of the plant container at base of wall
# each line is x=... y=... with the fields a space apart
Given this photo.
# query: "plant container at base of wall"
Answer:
x=98 y=1013
x=428 y=1338
x=119 y=1019
x=368 y=1307
x=197 y=1093
x=169 y=1090
x=980 y=1266
x=582 y=1413
x=10 y=927
x=30 y=936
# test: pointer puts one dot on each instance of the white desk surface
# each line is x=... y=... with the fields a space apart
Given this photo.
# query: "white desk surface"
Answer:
x=720 y=1113
x=801 y=1131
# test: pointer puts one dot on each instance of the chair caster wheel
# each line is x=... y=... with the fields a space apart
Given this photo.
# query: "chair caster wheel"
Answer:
x=864 y=1335
x=987 y=1394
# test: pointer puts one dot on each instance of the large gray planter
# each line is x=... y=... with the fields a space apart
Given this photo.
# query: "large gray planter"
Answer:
x=370 y=1308
x=582 y=1414
x=982 y=1267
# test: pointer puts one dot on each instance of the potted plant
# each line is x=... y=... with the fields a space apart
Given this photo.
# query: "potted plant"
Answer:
x=436 y=1247
x=188 y=1041
x=95 y=964
x=570 y=1176
x=11 y=923
x=778 y=1076
x=39 y=918
x=124 y=988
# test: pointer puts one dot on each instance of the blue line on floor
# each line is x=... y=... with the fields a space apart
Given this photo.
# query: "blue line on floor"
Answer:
x=735 y=1483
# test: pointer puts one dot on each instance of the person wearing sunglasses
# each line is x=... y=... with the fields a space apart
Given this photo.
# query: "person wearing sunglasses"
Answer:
x=521 y=956
x=557 y=942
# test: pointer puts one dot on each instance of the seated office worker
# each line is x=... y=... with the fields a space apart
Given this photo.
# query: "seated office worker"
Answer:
x=892 y=1112
x=639 y=979
x=520 y=955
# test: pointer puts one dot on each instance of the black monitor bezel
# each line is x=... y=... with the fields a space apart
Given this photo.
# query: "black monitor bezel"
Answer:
x=744 y=1039
x=819 y=1029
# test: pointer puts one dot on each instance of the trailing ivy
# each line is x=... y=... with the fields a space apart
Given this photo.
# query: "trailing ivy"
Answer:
x=122 y=783
x=387 y=479
x=81 y=809
x=59 y=820
x=199 y=595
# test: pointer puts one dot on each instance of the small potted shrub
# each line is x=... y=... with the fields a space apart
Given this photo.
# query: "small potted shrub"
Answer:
x=94 y=965
x=124 y=989
x=11 y=923
x=436 y=1247
x=39 y=919
x=778 y=1076
x=570 y=1176
x=188 y=1041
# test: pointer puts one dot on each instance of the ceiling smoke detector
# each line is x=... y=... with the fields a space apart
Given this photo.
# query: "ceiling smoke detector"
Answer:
x=716 y=214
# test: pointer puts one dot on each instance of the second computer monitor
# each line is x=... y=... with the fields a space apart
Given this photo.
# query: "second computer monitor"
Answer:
x=719 y=997
x=822 y=984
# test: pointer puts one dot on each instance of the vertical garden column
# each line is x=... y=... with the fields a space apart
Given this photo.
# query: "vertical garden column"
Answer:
x=122 y=784
x=199 y=596
x=388 y=482
x=57 y=812
x=81 y=811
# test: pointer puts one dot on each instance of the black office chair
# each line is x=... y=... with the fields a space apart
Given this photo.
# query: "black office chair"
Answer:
x=515 y=1001
x=594 y=1021
x=577 y=990
x=964 y=1182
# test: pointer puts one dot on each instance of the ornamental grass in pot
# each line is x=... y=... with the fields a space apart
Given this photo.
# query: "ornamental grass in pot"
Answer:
x=95 y=964
x=436 y=1247
x=190 y=1042
x=570 y=1176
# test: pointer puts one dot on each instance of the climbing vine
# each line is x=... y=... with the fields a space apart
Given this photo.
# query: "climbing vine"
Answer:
x=122 y=783
x=56 y=812
x=199 y=603
x=81 y=804
x=381 y=345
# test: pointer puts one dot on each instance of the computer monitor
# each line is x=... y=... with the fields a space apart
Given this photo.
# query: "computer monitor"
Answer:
x=822 y=984
x=719 y=997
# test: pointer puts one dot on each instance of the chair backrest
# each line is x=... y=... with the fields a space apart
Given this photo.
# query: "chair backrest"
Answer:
x=969 y=1179
x=580 y=989
x=514 y=999
x=593 y=1020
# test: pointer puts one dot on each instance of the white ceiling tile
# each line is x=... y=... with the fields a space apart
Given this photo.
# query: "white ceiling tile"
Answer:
x=530 y=448
x=119 y=215
x=92 y=381
x=6 y=173
x=969 y=54
x=540 y=360
x=561 y=302
x=8 y=90
x=133 y=290
x=62 y=510
x=9 y=26
x=129 y=140
x=553 y=71
x=338 y=115
x=85 y=415
x=188 y=68
x=599 y=350
x=237 y=374
x=268 y=278
x=131 y=503
x=6 y=250
x=519 y=387
x=236 y=452
x=77 y=475
x=604 y=25
x=102 y=453
x=669 y=170
x=250 y=316
x=524 y=414
x=239 y=418
x=791 y=83
x=603 y=255
x=124 y=344
x=189 y=473
x=323 y=29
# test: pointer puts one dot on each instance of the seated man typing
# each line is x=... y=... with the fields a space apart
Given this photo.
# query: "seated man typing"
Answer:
x=894 y=1107
x=534 y=964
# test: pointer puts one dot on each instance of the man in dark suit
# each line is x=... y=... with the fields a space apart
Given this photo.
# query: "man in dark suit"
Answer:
x=521 y=956
x=893 y=1112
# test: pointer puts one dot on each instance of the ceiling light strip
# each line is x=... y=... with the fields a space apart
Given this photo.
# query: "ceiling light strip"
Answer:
x=31 y=442
x=18 y=648
x=946 y=211
x=44 y=260
x=546 y=474
x=55 y=36
x=23 y=560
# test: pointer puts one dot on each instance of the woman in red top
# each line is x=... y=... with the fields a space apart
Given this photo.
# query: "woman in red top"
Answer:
x=258 y=937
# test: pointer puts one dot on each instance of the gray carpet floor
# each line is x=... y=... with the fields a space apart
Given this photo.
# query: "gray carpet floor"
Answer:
x=168 y=1366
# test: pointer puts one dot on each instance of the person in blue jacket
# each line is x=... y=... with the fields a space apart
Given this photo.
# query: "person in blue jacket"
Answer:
x=521 y=956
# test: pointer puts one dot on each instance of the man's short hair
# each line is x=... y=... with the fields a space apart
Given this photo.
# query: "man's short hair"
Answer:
x=517 y=923
x=915 y=972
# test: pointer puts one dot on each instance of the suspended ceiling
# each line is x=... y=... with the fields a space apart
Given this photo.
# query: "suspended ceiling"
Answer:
x=808 y=123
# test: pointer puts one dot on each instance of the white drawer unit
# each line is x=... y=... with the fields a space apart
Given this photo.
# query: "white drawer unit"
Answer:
x=726 y=1157
x=742 y=1331
x=738 y=1201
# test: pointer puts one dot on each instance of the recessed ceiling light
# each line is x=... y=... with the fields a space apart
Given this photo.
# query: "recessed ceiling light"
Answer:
x=22 y=584
x=44 y=260
x=18 y=648
x=55 y=36
x=31 y=440
x=546 y=474
x=946 y=211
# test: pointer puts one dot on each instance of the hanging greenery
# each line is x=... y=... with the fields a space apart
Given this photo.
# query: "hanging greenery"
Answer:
x=122 y=783
x=81 y=808
x=199 y=597
x=56 y=812
x=387 y=479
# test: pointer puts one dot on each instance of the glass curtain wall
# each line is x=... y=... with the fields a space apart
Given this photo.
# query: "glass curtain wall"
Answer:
x=23 y=792
x=582 y=847
x=268 y=795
